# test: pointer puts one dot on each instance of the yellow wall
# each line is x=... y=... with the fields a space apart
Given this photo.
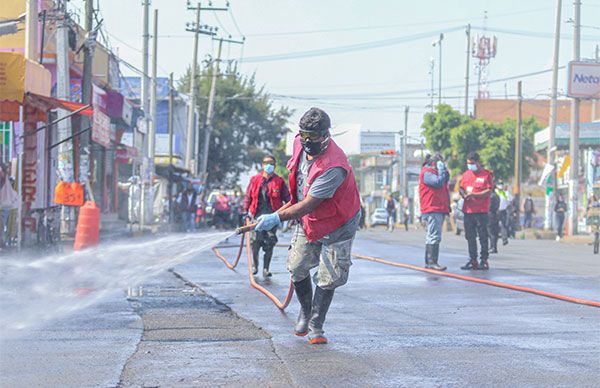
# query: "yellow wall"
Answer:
x=11 y=9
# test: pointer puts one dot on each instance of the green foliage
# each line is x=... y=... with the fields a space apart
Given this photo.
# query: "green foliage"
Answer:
x=245 y=125
x=454 y=135
x=280 y=156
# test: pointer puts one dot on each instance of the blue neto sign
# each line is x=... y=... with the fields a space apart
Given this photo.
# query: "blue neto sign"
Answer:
x=584 y=80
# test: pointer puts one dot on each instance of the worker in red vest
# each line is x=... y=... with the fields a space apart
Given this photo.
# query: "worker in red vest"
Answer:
x=435 y=206
x=325 y=197
x=476 y=186
x=265 y=194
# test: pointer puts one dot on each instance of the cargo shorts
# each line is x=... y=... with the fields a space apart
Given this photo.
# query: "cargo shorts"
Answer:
x=333 y=260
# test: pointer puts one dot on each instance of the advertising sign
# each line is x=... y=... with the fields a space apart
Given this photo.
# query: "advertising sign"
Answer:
x=584 y=80
x=101 y=128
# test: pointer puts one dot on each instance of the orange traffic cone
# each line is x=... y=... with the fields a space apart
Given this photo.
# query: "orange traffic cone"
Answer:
x=87 y=233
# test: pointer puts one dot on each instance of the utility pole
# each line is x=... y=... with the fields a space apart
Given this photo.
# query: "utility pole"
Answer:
x=594 y=102
x=574 y=143
x=439 y=44
x=63 y=91
x=548 y=222
x=191 y=136
x=211 y=108
x=86 y=98
x=171 y=106
x=431 y=69
x=467 y=69
x=189 y=146
x=31 y=30
x=404 y=172
x=153 y=107
x=518 y=152
x=145 y=108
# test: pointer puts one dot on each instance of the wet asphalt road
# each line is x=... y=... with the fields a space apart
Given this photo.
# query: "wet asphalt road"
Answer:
x=387 y=327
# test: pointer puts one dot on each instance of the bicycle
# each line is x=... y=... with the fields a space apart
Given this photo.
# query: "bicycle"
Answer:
x=47 y=233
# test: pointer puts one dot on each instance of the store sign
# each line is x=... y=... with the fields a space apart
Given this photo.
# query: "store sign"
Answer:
x=127 y=113
x=101 y=128
x=584 y=80
x=375 y=142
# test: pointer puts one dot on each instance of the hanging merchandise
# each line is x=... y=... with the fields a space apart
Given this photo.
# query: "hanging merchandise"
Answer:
x=9 y=198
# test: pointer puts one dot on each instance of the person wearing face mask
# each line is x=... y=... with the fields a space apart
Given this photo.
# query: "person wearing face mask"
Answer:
x=325 y=197
x=266 y=193
x=476 y=185
x=434 y=198
x=505 y=199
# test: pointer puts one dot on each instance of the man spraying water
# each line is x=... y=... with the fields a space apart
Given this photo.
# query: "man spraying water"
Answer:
x=325 y=197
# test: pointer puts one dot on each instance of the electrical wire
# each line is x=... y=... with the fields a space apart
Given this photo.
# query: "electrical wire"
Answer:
x=371 y=27
x=351 y=48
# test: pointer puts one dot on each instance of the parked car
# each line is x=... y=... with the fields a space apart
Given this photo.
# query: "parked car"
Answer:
x=379 y=217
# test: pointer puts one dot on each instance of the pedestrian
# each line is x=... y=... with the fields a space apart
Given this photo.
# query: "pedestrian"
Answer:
x=476 y=186
x=266 y=193
x=222 y=210
x=187 y=208
x=560 y=208
x=434 y=198
x=390 y=208
x=505 y=198
x=528 y=211
x=494 y=221
x=405 y=213
x=325 y=196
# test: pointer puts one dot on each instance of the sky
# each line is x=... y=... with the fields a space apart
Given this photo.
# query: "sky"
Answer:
x=311 y=52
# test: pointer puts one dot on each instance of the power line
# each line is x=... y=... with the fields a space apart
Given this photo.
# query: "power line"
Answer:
x=534 y=34
x=386 y=26
x=350 y=48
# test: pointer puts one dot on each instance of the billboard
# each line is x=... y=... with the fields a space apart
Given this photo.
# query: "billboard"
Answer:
x=584 y=80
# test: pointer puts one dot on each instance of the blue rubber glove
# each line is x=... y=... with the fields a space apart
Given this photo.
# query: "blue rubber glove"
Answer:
x=440 y=165
x=267 y=222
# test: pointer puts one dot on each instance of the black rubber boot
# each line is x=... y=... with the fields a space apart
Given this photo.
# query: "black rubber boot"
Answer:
x=428 y=252
x=255 y=253
x=484 y=264
x=471 y=264
x=267 y=262
x=435 y=252
x=320 y=306
x=304 y=293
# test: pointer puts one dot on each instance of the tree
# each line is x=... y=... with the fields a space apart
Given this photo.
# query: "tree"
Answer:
x=281 y=157
x=246 y=126
x=454 y=135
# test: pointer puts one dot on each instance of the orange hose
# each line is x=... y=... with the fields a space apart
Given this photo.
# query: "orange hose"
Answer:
x=481 y=281
x=280 y=305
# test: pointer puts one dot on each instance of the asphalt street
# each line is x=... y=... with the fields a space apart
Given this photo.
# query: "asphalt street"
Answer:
x=202 y=325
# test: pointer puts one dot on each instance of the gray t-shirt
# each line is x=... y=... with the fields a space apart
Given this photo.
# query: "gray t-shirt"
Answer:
x=324 y=186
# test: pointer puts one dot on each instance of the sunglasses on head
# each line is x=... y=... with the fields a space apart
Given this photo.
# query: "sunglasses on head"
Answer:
x=311 y=135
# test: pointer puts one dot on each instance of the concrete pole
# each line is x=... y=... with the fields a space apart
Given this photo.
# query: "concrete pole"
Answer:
x=63 y=91
x=86 y=98
x=145 y=108
x=518 y=152
x=431 y=69
x=574 y=141
x=594 y=102
x=153 y=107
x=467 y=69
x=191 y=121
x=170 y=185
x=550 y=198
x=210 y=113
x=403 y=172
x=31 y=30
x=440 y=70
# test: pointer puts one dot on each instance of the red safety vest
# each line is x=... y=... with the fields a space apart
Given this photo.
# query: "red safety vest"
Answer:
x=274 y=188
x=433 y=199
x=332 y=212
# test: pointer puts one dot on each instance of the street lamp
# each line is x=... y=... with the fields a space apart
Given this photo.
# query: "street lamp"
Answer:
x=439 y=44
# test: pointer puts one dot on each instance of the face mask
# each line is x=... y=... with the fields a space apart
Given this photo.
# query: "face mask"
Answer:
x=472 y=167
x=269 y=168
x=314 y=148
